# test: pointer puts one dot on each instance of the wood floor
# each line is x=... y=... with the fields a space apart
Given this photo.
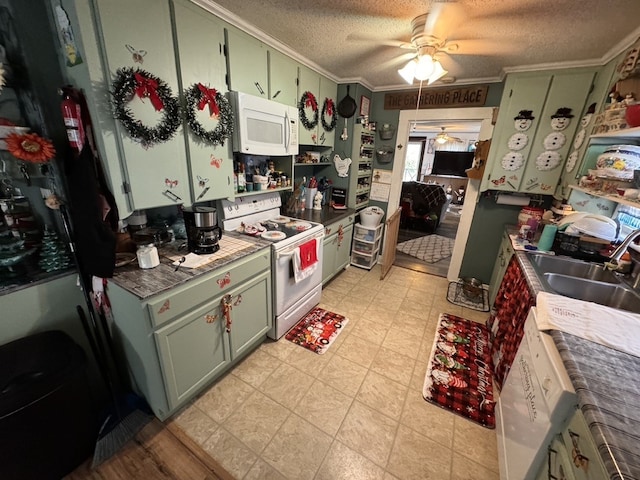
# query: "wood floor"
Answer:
x=447 y=228
x=159 y=451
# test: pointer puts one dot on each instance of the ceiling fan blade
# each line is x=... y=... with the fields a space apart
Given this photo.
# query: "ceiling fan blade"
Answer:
x=479 y=46
x=396 y=62
x=357 y=37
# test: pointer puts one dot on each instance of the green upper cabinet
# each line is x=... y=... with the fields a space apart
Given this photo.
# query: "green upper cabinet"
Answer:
x=309 y=81
x=139 y=35
x=283 y=78
x=507 y=156
x=247 y=63
x=554 y=137
x=539 y=115
x=328 y=91
x=200 y=42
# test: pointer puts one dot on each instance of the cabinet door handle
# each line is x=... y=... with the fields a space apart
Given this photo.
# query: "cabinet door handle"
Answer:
x=210 y=318
x=171 y=195
x=259 y=88
x=276 y=94
x=579 y=460
x=226 y=311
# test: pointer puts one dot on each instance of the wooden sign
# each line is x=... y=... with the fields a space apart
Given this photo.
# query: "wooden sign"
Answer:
x=473 y=96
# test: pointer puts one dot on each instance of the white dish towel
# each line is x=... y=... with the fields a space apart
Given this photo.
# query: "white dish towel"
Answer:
x=607 y=326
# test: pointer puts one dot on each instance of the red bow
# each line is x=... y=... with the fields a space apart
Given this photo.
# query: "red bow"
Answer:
x=147 y=87
x=209 y=98
x=311 y=101
x=329 y=106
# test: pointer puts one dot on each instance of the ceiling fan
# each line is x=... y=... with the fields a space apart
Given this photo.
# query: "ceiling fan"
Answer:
x=443 y=137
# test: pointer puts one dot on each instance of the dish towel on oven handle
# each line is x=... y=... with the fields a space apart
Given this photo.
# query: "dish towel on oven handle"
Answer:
x=305 y=260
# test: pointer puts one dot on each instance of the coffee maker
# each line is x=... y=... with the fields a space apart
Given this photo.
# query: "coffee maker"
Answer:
x=203 y=232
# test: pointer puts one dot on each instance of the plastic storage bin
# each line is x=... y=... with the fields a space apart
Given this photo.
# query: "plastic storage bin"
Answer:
x=48 y=421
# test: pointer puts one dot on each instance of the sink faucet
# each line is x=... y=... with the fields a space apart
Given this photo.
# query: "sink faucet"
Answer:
x=614 y=258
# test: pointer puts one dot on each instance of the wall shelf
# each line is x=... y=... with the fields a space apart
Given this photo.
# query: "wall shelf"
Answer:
x=608 y=196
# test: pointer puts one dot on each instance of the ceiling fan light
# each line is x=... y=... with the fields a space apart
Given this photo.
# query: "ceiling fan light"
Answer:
x=441 y=139
x=407 y=72
x=437 y=74
x=424 y=67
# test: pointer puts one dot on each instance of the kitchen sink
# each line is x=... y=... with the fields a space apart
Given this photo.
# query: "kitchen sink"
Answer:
x=608 y=294
x=573 y=268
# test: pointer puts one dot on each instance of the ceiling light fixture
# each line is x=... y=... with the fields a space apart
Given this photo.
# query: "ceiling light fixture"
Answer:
x=423 y=67
x=442 y=137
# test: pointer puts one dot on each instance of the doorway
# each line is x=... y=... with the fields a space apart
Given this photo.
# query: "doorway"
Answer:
x=407 y=119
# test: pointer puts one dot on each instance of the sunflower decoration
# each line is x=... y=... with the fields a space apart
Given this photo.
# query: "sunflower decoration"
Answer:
x=30 y=147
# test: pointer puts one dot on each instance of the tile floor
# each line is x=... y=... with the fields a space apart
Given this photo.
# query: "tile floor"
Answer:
x=355 y=412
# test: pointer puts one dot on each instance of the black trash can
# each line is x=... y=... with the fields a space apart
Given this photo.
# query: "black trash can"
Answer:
x=48 y=421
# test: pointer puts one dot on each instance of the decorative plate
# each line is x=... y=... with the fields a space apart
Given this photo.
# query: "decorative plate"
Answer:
x=554 y=141
x=548 y=160
x=571 y=161
x=579 y=140
x=512 y=161
x=301 y=226
x=273 y=235
x=281 y=219
x=518 y=141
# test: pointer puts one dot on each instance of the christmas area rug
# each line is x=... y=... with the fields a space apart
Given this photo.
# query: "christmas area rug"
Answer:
x=317 y=330
x=459 y=374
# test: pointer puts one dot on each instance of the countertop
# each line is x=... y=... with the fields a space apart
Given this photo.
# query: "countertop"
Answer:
x=608 y=390
x=326 y=216
x=145 y=283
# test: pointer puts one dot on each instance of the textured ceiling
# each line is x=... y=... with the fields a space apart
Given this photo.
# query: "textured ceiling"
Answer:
x=355 y=40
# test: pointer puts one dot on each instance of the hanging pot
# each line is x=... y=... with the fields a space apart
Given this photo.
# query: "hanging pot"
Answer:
x=347 y=106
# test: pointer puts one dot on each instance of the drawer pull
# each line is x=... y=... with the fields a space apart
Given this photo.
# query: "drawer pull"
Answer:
x=238 y=300
x=210 y=318
x=226 y=311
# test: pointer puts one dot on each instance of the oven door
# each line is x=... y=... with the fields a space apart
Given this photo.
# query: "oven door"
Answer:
x=286 y=291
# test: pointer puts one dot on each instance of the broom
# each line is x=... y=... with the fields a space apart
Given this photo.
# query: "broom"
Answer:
x=126 y=418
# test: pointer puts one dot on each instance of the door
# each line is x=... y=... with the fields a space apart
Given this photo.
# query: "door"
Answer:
x=200 y=38
x=136 y=32
x=483 y=115
x=283 y=76
x=247 y=62
x=193 y=349
x=390 y=242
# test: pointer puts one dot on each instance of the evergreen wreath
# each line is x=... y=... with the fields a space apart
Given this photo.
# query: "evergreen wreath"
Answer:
x=328 y=108
x=308 y=100
x=129 y=83
x=198 y=96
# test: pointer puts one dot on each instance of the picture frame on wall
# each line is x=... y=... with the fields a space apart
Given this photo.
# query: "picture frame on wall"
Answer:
x=365 y=104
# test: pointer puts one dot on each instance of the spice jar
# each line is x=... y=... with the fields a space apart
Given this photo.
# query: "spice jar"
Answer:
x=148 y=256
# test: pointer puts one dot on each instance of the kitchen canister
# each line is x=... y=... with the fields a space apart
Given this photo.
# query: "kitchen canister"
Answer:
x=548 y=236
x=148 y=256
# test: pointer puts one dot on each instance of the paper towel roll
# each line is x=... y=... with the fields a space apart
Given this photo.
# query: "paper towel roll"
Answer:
x=518 y=200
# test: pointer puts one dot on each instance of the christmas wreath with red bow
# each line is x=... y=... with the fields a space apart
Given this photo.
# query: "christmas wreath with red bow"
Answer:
x=308 y=100
x=328 y=108
x=200 y=97
x=130 y=83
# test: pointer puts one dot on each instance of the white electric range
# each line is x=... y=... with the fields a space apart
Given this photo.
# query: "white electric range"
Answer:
x=291 y=299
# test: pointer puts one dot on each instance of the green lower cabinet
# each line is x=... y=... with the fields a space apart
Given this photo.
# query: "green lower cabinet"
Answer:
x=251 y=314
x=192 y=351
x=179 y=341
x=500 y=267
x=336 y=247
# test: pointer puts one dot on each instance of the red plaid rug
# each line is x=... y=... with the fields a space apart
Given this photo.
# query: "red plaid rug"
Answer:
x=317 y=330
x=459 y=375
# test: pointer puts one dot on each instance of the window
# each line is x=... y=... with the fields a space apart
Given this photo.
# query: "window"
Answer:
x=413 y=160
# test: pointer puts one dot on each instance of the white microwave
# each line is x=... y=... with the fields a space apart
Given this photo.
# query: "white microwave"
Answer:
x=263 y=127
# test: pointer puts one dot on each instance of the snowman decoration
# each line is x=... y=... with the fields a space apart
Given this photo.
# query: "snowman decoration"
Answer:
x=513 y=159
x=550 y=158
x=580 y=136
